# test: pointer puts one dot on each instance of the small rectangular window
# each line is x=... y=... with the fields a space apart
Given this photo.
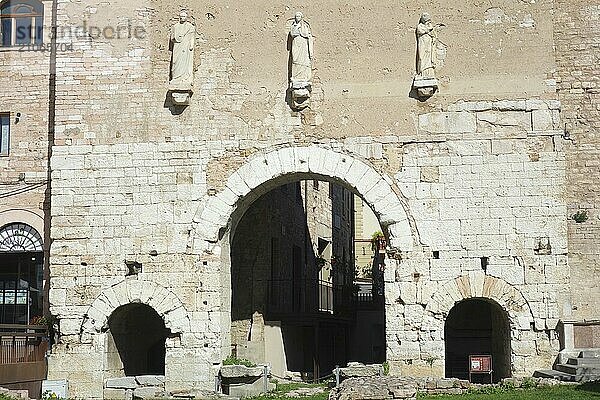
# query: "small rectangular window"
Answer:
x=4 y=134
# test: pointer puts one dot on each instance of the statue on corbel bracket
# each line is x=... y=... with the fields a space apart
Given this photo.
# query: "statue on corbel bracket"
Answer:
x=301 y=56
x=425 y=81
x=182 y=44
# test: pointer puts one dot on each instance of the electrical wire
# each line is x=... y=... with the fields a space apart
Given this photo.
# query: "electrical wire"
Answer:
x=21 y=190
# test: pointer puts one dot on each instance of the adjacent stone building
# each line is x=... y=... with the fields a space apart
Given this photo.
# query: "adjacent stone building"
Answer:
x=486 y=188
x=25 y=136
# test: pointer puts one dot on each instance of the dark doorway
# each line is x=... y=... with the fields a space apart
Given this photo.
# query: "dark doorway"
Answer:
x=301 y=297
x=139 y=335
x=477 y=327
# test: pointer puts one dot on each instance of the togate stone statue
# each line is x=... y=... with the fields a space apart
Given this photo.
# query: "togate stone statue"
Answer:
x=425 y=81
x=182 y=43
x=301 y=54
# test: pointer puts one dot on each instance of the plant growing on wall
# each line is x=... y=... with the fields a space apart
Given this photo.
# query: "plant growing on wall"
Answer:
x=320 y=262
x=375 y=239
x=386 y=368
x=430 y=361
x=580 y=216
x=231 y=360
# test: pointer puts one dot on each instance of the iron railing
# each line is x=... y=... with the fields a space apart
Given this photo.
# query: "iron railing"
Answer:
x=307 y=296
x=22 y=343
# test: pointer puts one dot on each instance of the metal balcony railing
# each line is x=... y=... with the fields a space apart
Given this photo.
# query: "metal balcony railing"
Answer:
x=22 y=343
x=309 y=296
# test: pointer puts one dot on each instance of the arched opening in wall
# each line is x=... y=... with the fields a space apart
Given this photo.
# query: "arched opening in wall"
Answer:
x=21 y=274
x=477 y=327
x=136 y=341
x=307 y=260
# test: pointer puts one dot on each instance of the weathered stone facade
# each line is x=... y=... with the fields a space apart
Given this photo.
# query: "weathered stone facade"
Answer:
x=474 y=188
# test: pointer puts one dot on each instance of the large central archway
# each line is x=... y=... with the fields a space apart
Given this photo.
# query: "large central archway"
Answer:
x=219 y=214
x=295 y=282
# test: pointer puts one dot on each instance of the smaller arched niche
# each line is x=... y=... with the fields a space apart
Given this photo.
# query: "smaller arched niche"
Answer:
x=21 y=278
x=136 y=341
x=477 y=326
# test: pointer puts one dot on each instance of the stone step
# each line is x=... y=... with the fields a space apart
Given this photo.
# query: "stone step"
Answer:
x=589 y=353
x=587 y=361
x=577 y=370
x=588 y=378
x=553 y=374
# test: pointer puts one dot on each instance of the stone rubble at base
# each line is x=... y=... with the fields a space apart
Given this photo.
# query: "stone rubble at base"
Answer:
x=15 y=393
x=392 y=387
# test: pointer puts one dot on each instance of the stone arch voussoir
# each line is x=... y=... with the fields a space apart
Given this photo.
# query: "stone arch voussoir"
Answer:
x=378 y=190
x=479 y=285
x=163 y=301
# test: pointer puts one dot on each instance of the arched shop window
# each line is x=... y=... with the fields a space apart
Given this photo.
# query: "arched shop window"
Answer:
x=21 y=274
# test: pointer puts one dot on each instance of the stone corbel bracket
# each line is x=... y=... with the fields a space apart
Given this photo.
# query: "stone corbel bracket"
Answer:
x=181 y=97
x=425 y=87
x=300 y=93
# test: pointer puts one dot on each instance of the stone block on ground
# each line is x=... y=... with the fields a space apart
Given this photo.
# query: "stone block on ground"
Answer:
x=243 y=390
x=117 y=394
x=395 y=387
x=150 y=380
x=375 y=388
x=147 y=392
x=127 y=382
x=445 y=383
x=242 y=381
x=15 y=393
x=358 y=370
x=240 y=371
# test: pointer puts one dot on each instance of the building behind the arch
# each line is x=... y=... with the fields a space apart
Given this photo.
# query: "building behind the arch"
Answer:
x=486 y=191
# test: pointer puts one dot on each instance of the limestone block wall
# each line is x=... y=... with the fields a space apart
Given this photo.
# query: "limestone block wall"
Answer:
x=576 y=35
x=483 y=203
x=124 y=207
x=477 y=171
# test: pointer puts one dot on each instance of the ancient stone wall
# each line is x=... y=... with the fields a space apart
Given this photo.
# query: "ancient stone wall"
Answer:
x=475 y=173
x=576 y=34
x=488 y=218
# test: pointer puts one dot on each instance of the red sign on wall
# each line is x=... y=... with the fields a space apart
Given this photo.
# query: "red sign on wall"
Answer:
x=480 y=364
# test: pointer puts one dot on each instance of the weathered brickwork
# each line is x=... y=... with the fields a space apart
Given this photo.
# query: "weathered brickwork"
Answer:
x=576 y=32
x=24 y=79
